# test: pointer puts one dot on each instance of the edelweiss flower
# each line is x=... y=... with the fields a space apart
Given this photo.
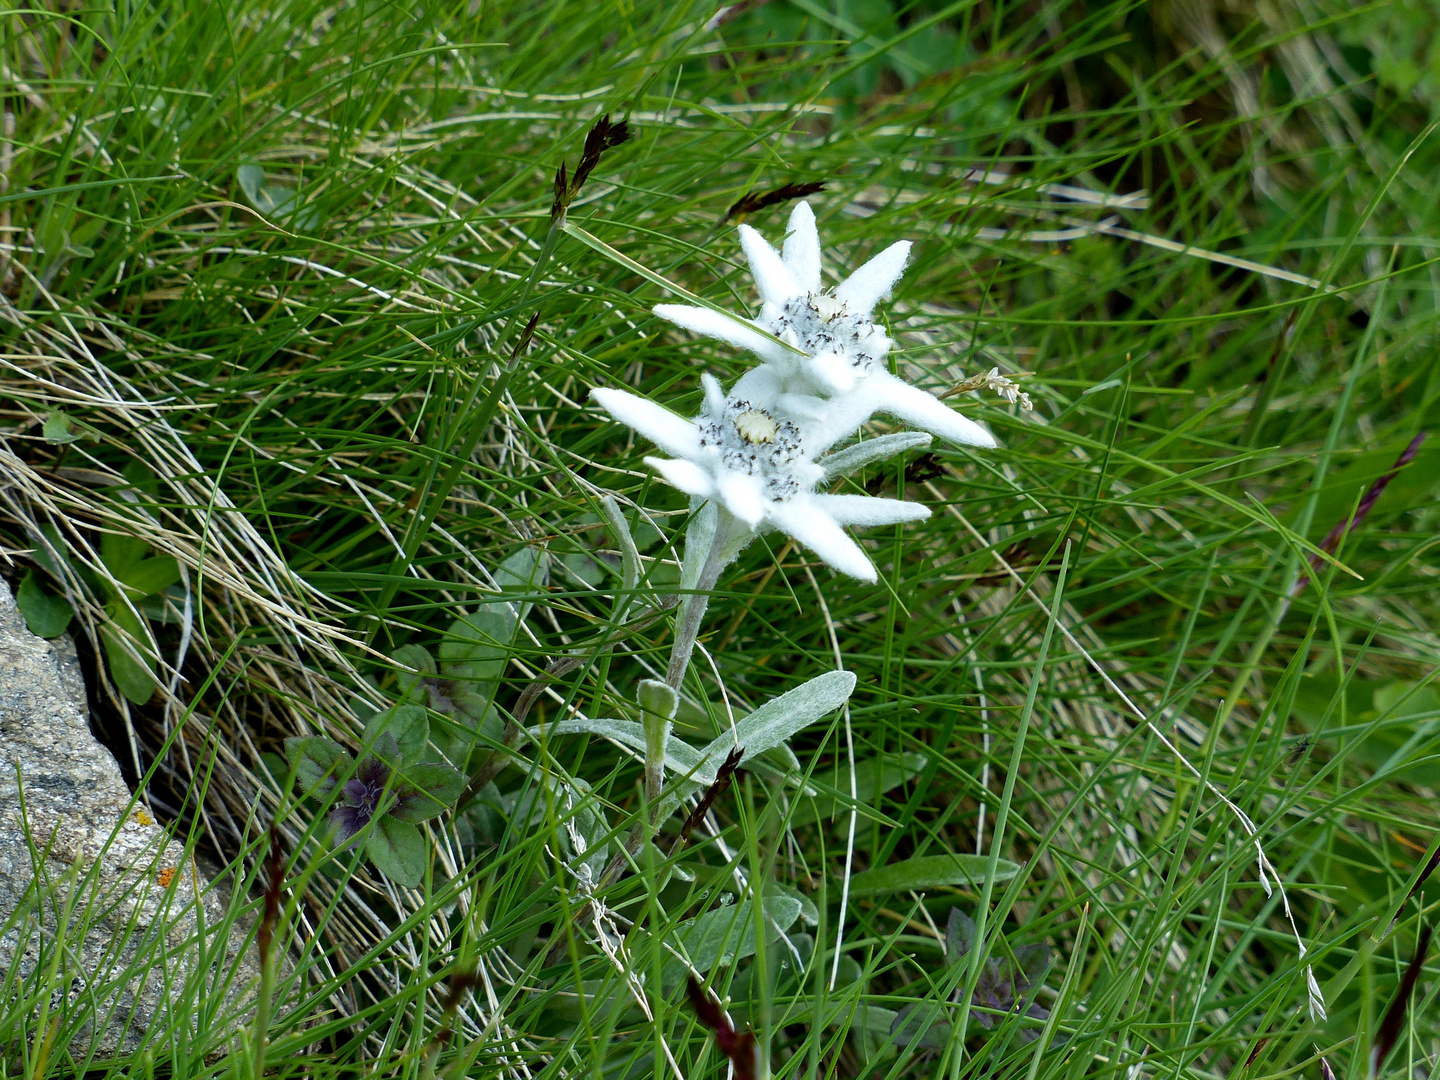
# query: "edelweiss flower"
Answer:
x=753 y=461
x=839 y=370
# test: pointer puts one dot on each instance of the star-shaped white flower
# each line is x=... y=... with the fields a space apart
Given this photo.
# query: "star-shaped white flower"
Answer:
x=753 y=462
x=841 y=358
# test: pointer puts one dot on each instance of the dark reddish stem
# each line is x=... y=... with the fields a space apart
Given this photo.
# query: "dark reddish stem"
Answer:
x=1338 y=533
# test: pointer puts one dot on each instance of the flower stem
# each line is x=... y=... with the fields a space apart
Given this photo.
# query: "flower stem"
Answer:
x=692 y=613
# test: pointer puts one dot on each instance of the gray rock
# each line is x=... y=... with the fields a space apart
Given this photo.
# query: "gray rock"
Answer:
x=97 y=903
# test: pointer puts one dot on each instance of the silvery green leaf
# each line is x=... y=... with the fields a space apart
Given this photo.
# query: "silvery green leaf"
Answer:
x=929 y=872
x=658 y=698
x=726 y=934
x=809 y=913
x=699 y=538
x=629 y=556
x=778 y=719
x=524 y=571
x=844 y=462
x=680 y=757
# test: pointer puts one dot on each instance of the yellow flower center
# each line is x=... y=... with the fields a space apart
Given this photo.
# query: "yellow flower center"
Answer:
x=756 y=426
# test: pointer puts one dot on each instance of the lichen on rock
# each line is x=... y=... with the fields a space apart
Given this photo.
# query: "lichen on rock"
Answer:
x=97 y=901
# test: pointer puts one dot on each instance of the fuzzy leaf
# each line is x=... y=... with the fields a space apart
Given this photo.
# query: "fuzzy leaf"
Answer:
x=47 y=616
x=658 y=699
x=680 y=757
x=407 y=725
x=317 y=763
x=727 y=934
x=844 y=462
x=929 y=872
x=778 y=719
x=398 y=850
x=629 y=554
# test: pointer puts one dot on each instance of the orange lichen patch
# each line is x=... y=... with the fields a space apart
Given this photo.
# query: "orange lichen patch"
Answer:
x=165 y=877
x=143 y=818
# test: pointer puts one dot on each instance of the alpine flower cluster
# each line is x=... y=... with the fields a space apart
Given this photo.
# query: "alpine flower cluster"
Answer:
x=758 y=452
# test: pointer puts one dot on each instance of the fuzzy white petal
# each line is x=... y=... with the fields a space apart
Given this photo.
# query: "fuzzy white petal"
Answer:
x=865 y=511
x=714 y=395
x=741 y=495
x=671 y=433
x=805 y=409
x=831 y=374
x=802 y=249
x=871 y=282
x=761 y=386
x=685 y=475
x=772 y=278
x=732 y=330
x=898 y=398
x=802 y=520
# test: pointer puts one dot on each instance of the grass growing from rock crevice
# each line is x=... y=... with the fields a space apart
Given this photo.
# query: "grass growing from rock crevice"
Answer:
x=273 y=258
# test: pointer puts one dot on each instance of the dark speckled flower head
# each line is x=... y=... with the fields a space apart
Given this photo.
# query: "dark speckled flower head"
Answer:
x=364 y=797
x=360 y=799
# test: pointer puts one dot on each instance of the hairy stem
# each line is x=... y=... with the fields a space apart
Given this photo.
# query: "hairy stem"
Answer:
x=692 y=614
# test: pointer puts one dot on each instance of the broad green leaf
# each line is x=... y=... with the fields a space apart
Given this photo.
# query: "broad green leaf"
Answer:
x=475 y=648
x=778 y=719
x=317 y=763
x=872 y=777
x=149 y=576
x=523 y=571
x=61 y=428
x=47 y=616
x=929 y=872
x=398 y=850
x=809 y=913
x=407 y=725
x=121 y=553
x=437 y=785
x=959 y=935
x=418 y=660
x=57 y=563
x=725 y=935
x=252 y=180
x=134 y=678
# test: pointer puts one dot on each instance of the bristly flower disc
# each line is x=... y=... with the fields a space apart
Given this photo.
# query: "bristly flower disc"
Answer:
x=839 y=373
